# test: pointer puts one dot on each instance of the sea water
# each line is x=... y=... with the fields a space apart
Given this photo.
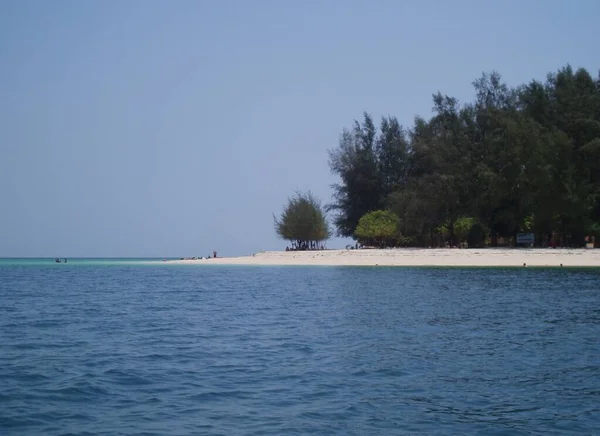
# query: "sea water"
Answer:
x=122 y=347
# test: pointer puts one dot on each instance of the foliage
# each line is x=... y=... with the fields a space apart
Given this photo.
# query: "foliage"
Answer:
x=476 y=236
x=462 y=227
x=355 y=161
x=458 y=230
x=380 y=227
x=514 y=159
x=302 y=221
x=594 y=230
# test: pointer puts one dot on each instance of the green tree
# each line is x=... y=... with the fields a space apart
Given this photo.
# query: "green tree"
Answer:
x=393 y=157
x=523 y=158
x=568 y=107
x=461 y=229
x=302 y=221
x=476 y=236
x=355 y=162
x=379 y=226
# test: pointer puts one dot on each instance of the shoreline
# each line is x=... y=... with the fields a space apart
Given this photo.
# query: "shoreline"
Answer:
x=413 y=257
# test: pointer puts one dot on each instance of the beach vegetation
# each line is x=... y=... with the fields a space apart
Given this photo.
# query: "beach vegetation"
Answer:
x=514 y=159
x=379 y=228
x=476 y=236
x=303 y=222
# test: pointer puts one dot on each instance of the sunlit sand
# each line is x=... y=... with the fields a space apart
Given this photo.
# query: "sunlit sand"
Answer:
x=500 y=257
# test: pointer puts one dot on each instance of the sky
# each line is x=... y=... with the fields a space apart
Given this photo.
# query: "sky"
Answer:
x=151 y=128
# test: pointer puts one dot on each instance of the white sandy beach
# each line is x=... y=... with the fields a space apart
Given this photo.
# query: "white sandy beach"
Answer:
x=501 y=257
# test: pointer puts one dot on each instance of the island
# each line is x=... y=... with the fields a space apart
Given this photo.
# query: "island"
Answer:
x=511 y=178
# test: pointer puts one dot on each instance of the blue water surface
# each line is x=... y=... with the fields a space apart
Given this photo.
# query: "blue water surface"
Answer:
x=119 y=348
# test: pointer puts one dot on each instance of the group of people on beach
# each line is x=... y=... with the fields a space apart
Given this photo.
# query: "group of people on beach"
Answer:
x=304 y=246
x=214 y=256
x=356 y=246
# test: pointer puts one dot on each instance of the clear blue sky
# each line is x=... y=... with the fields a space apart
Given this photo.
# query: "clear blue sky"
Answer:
x=172 y=128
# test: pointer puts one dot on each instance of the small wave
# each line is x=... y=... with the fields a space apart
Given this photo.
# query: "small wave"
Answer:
x=126 y=378
x=221 y=395
x=345 y=351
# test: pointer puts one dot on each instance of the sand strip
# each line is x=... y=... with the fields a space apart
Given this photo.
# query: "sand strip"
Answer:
x=499 y=257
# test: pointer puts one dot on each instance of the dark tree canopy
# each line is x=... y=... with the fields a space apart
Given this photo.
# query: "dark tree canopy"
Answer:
x=302 y=221
x=369 y=167
x=522 y=159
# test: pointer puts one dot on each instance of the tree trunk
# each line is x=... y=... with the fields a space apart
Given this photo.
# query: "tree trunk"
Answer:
x=494 y=239
x=451 y=230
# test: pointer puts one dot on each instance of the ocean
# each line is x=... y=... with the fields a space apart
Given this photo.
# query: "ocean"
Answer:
x=127 y=347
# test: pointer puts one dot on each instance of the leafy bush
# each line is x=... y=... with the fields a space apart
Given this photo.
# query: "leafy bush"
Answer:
x=462 y=228
x=379 y=227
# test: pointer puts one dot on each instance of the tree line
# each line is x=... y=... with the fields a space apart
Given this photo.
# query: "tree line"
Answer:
x=516 y=159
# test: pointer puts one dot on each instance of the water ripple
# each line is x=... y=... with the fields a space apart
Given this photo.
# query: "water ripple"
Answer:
x=140 y=350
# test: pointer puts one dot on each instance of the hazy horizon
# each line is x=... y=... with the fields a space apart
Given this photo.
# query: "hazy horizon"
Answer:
x=156 y=129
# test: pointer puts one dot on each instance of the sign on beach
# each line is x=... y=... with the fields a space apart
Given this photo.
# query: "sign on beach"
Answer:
x=525 y=238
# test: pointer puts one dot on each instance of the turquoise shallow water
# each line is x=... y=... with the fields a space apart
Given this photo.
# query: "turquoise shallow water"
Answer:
x=46 y=262
x=119 y=347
